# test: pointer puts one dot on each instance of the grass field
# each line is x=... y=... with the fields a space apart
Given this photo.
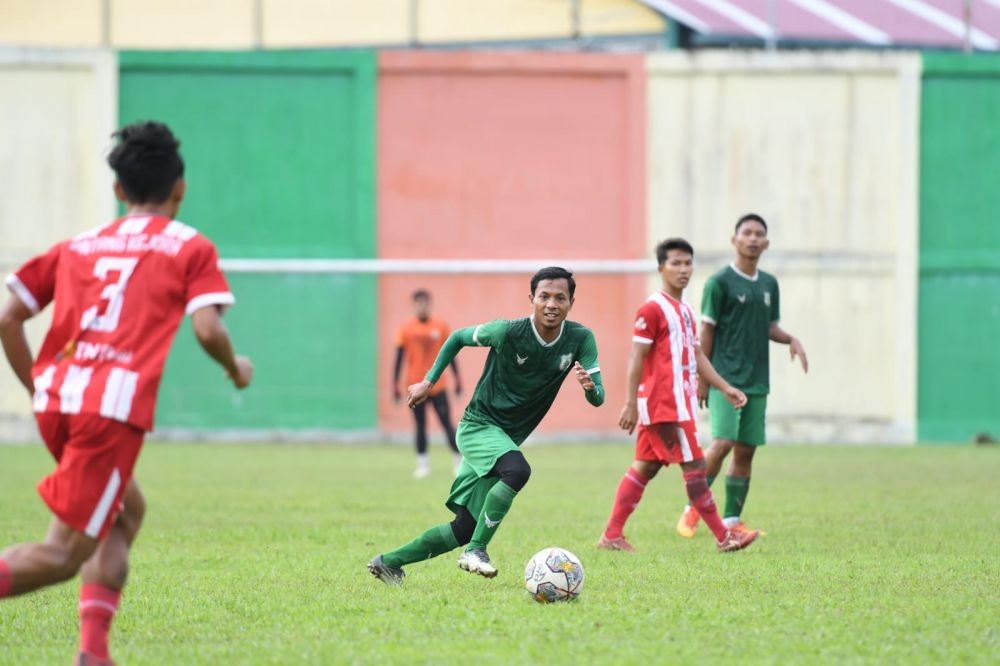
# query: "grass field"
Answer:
x=256 y=555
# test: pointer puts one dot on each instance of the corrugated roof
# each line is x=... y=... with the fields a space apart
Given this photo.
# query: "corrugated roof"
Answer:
x=916 y=23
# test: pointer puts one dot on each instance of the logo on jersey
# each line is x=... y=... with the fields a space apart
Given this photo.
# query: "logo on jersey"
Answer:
x=640 y=323
x=565 y=360
x=767 y=298
x=742 y=298
x=520 y=359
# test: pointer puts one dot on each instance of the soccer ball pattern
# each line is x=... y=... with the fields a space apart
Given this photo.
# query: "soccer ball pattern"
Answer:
x=553 y=574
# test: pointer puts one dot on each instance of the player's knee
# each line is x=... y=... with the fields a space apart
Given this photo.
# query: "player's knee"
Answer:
x=647 y=468
x=514 y=470
x=463 y=526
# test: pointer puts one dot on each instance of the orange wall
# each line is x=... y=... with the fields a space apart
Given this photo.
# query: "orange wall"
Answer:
x=512 y=156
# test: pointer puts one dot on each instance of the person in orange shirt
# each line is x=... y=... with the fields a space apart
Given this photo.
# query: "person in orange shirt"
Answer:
x=418 y=341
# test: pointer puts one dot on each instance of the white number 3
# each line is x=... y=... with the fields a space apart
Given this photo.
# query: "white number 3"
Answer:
x=113 y=293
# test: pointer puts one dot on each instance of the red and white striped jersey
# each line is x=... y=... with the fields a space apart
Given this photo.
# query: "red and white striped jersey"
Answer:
x=120 y=293
x=668 y=392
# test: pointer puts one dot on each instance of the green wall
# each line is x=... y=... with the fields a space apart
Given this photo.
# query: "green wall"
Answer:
x=279 y=150
x=959 y=305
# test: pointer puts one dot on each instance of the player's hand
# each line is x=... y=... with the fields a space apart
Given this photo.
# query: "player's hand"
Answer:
x=795 y=348
x=418 y=392
x=628 y=418
x=702 y=393
x=735 y=396
x=243 y=373
x=583 y=377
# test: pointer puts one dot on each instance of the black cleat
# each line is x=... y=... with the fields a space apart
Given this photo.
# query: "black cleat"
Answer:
x=385 y=573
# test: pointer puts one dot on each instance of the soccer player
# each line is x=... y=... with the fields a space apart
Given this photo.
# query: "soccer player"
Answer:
x=529 y=359
x=120 y=291
x=739 y=313
x=662 y=388
x=418 y=341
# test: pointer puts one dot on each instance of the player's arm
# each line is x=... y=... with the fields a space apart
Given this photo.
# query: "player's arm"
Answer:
x=484 y=335
x=588 y=370
x=707 y=372
x=15 y=343
x=706 y=339
x=214 y=338
x=396 y=369
x=458 y=377
x=637 y=357
x=795 y=348
x=713 y=299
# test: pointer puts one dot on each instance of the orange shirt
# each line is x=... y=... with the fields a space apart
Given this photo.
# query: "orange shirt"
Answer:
x=421 y=341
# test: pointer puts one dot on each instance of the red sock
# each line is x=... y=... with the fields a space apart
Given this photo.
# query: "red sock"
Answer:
x=98 y=605
x=626 y=499
x=4 y=579
x=701 y=499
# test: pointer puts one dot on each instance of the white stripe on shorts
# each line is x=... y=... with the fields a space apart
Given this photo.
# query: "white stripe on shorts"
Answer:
x=104 y=505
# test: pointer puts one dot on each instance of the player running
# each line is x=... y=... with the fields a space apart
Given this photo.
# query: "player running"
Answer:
x=529 y=359
x=662 y=392
x=120 y=292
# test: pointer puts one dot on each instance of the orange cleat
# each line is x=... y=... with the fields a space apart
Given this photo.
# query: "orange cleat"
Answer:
x=734 y=541
x=688 y=522
x=741 y=528
x=621 y=543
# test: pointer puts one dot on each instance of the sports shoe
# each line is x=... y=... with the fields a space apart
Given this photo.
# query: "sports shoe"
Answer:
x=421 y=472
x=87 y=659
x=478 y=562
x=687 y=524
x=385 y=573
x=741 y=528
x=621 y=543
x=734 y=541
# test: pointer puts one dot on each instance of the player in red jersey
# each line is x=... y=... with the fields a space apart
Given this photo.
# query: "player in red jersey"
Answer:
x=662 y=396
x=120 y=292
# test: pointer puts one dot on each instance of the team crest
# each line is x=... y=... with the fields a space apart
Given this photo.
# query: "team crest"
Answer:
x=640 y=323
x=767 y=298
x=565 y=360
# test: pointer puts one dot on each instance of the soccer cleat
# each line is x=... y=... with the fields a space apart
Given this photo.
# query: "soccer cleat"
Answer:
x=478 y=562
x=687 y=524
x=734 y=541
x=741 y=528
x=87 y=659
x=621 y=543
x=385 y=573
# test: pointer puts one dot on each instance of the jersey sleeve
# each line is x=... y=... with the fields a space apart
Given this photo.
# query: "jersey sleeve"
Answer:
x=490 y=334
x=648 y=322
x=776 y=304
x=35 y=282
x=712 y=300
x=206 y=285
x=588 y=353
x=401 y=336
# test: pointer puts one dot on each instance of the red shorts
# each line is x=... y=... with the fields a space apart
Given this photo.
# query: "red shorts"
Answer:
x=668 y=443
x=96 y=456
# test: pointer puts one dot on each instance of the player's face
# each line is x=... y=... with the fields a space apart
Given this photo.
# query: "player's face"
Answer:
x=676 y=270
x=750 y=240
x=551 y=303
x=422 y=308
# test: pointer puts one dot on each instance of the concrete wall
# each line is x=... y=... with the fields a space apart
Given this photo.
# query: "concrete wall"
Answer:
x=824 y=146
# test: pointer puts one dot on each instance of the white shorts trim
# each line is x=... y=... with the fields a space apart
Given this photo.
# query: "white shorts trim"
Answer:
x=104 y=505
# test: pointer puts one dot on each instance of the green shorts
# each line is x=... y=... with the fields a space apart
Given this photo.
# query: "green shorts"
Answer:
x=481 y=445
x=745 y=425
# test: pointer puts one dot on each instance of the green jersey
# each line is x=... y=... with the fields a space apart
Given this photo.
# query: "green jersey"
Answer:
x=742 y=309
x=523 y=373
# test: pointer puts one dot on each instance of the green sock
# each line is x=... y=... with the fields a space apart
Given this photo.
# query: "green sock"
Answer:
x=496 y=506
x=737 y=488
x=435 y=541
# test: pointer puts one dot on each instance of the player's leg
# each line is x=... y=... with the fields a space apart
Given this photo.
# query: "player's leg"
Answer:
x=438 y=540
x=629 y=493
x=423 y=468
x=443 y=411
x=512 y=471
x=105 y=573
x=27 y=567
x=751 y=435
x=724 y=420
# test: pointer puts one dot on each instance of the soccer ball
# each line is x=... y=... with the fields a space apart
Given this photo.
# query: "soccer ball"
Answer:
x=553 y=574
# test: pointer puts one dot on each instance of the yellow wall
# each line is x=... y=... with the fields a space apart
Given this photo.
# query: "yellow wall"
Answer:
x=823 y=146
x=234 y=24
x=57 y=113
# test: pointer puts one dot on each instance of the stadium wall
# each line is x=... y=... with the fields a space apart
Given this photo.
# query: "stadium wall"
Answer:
x=514 y=156
x=959 y=320
x=824 y=146
x=280 y=154
x=57 y=112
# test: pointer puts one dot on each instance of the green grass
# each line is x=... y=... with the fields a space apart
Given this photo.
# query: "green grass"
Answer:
x=256 y=554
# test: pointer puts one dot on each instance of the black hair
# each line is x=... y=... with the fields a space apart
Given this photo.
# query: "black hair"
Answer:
x=146 y=161
x=751 y=217
x=553 y=273
x=671 y=244
x=421 y=294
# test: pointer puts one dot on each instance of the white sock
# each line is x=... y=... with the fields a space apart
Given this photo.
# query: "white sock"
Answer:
x=423 y=461
x=729 y=522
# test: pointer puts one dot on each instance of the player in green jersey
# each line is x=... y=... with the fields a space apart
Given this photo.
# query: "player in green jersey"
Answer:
x=529 y=359
x=739 y=313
